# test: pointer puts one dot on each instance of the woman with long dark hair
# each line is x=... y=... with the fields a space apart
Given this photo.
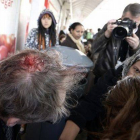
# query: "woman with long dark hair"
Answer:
x=45 y=35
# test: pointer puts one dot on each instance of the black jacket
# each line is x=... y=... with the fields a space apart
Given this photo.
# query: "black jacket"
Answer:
x=16 y=135
x=91 y=105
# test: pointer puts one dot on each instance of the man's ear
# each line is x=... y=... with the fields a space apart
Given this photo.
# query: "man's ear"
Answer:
x=12 y=121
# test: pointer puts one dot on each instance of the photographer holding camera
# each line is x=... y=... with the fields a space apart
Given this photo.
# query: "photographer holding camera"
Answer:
x=117 y=40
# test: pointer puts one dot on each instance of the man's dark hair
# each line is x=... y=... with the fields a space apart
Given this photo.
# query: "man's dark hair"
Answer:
x=134 y=9
x=31 y=85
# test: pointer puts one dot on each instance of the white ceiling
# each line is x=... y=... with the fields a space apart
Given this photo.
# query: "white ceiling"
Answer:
x=106 y=10
x=82 y=8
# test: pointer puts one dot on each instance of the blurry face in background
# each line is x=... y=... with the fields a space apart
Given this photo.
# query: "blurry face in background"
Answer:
x=134 y=69
x=46 y=21
x=77 y=32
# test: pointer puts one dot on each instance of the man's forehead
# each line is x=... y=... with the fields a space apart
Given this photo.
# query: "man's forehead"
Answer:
x=130 y=16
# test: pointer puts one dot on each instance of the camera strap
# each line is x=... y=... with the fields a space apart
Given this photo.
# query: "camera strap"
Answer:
x=123 y=50
x=115 y=53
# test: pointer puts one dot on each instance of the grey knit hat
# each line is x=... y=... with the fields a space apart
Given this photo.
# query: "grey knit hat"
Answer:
x=47 y=11
x=129 y=62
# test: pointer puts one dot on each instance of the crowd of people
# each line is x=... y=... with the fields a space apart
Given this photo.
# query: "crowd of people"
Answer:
x=36 y=87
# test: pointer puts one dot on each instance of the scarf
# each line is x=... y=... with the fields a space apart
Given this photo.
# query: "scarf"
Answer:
x=78 y=43
x=129 y=62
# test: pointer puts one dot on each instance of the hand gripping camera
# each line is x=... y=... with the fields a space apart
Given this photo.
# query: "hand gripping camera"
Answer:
x=125 y=28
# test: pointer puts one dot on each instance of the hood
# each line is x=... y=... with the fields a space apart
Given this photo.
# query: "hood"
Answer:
x=47 y=11
x=129 y=62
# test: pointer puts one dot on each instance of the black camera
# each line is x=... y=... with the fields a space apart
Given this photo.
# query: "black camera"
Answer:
x=125 y=28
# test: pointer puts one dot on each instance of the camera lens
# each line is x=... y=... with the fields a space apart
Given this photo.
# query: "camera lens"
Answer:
x=120 y=32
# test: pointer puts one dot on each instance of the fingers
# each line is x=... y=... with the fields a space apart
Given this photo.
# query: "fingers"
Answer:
x=110 y=26
x=135 y=36
x=130 y=41
x=133 y=41
x=112 y=21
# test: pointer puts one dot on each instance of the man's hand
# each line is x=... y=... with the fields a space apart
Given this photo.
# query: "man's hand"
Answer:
x=133 y=41
x=110 y=27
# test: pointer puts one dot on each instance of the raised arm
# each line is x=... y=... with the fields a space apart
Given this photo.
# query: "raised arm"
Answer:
x=103 y=37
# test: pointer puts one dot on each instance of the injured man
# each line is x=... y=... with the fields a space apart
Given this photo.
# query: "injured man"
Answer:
x=34 y=86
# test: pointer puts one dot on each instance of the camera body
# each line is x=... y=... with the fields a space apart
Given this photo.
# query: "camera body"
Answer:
x=125 y=28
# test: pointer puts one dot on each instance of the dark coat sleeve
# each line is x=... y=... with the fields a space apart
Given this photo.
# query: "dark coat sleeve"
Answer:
x=69 y=43
x=100 y=41
x=66 y=42
x=91 y=105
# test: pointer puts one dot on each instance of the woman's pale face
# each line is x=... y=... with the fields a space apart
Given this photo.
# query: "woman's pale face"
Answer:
x=134 y=69
x=77 y=33
x=46 y=21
